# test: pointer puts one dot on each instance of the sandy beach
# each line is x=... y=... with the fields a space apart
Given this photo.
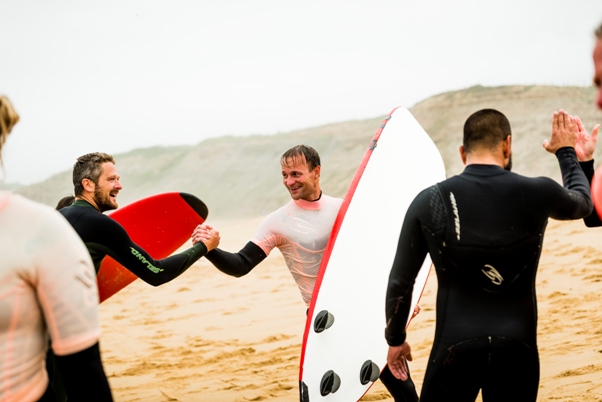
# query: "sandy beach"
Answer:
x=210 y=337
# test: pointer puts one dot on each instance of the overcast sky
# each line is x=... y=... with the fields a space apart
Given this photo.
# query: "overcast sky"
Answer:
x=115 y=75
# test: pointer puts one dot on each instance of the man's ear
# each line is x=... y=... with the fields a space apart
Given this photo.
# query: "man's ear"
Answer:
x=507 y=146
x=317 y=170
x=88 y=185
x=463 y=154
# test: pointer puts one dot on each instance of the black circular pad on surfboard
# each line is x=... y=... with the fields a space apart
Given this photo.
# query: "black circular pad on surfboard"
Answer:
x=330 y=383
x=324 y=320
x=196 y=204
x=369 y=372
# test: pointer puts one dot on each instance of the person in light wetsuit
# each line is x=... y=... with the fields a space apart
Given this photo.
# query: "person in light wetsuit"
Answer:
x=96 y=185
x=300 y=230
x=47 y=290
x=483 y=230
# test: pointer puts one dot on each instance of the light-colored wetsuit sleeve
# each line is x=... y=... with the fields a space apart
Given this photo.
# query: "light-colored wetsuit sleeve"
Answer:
x=265 y=236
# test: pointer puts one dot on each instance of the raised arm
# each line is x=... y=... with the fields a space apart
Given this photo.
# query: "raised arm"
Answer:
x=585 y=147
x=575 y=202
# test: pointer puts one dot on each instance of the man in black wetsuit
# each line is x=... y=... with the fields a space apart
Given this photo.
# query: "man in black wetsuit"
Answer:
x=96 y=185
x=483 y=230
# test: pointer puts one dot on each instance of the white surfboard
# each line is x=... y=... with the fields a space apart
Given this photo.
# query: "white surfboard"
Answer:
x=344 y=350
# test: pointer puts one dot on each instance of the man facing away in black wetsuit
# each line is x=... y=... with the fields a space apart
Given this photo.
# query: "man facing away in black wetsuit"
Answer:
x=483 y=230
x=96 y=185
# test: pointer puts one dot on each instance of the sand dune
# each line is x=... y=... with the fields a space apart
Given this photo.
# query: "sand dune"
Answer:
x=210 y=337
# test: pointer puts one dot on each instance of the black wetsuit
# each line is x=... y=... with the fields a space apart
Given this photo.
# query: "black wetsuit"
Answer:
x=484 y=230
x=104 y=236
x=593 y=220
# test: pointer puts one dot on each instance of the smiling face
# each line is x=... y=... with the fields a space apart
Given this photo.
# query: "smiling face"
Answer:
x=301 y=183
x=107 y=188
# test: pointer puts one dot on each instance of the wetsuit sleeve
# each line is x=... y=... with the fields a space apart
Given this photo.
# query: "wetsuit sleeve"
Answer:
x=576 y=203
x=118 y=245
x=593 y=220
x=411 y=252
x=237 y=264
x=83 y=376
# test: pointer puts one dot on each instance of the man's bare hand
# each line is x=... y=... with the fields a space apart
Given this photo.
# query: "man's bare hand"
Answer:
x=206 y=234
x=396 y=359
x=586 y=144
x=564 y=132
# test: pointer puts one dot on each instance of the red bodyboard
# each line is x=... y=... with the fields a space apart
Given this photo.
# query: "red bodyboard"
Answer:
x=160 y=224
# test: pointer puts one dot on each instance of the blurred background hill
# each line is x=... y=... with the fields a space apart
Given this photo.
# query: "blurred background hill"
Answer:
x=239 y=177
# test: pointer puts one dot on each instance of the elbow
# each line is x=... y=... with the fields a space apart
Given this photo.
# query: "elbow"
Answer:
x=154 y=282
x=236 y=274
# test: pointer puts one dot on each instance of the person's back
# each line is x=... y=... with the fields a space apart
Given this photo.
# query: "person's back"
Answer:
x=47 y=287
x=483 y=230
x=486 y=248
x=46 y=283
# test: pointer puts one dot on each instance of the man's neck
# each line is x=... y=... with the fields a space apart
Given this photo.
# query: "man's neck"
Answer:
x=88 y=199
x=485 y=160
x=316 y=199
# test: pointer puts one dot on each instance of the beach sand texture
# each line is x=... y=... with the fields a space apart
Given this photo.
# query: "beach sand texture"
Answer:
x=210 y=337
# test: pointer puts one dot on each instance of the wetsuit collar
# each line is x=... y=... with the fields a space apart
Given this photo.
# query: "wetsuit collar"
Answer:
x=311 y=205
x=484 y=170
x=82 y=203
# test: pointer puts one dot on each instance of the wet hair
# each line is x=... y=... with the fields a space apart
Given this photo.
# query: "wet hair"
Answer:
x=312 y=159
x=65 y=202
x=8 y=119
x=88 y=166
x=598 y=32
x=485 y=129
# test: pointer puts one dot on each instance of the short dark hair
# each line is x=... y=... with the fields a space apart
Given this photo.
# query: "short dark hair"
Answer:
x=598 y=32
x=485 y=129
x=8 y=118
x=312 y=159
x=88 y=166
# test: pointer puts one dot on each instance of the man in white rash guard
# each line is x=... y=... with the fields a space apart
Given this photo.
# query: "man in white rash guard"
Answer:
x=300 y=230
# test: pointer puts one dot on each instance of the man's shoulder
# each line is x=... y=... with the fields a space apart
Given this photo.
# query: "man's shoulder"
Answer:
x=88 y=216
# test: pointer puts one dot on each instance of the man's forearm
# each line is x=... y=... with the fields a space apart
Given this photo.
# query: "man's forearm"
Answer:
x=237 y=264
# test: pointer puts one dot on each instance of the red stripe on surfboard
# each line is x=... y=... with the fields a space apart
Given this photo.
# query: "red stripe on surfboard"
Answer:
x=153 y=238
x=335 y=231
